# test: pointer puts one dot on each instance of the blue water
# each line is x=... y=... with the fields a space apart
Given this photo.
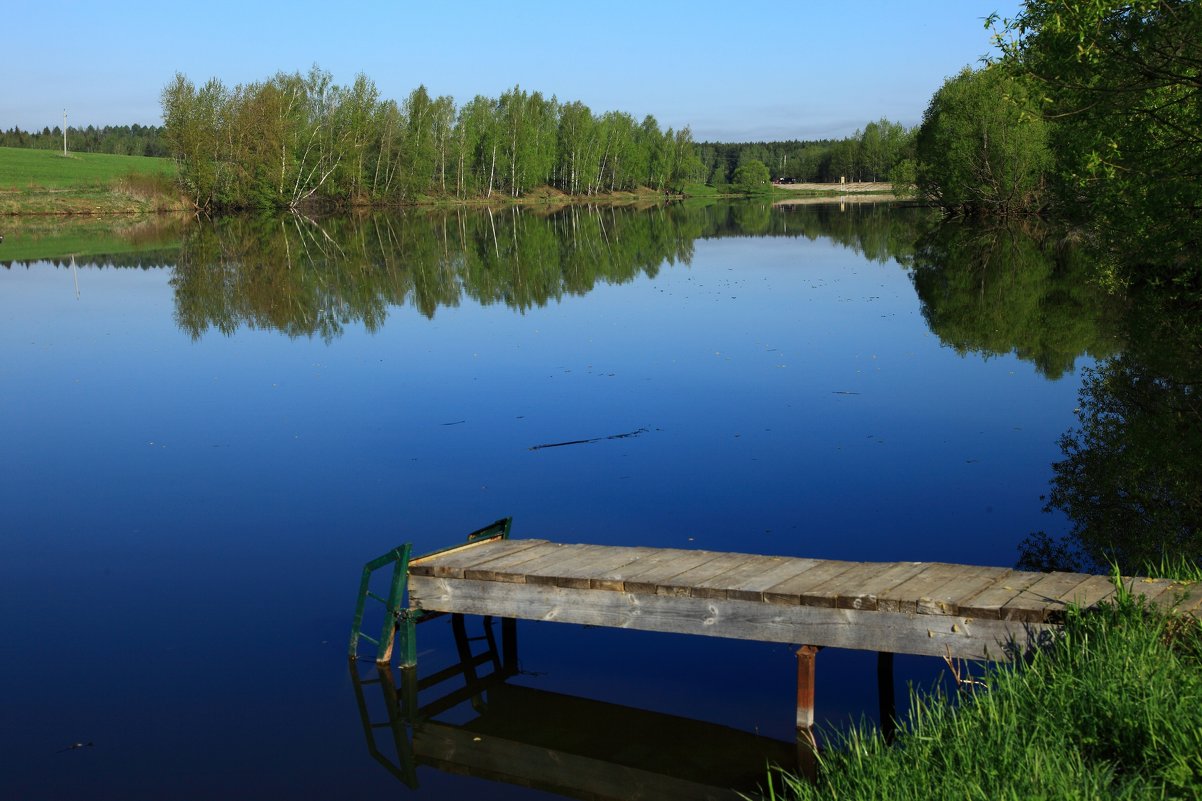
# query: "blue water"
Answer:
x=185 y=519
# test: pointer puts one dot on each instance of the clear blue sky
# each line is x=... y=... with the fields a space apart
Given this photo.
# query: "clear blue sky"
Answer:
x=738 y=71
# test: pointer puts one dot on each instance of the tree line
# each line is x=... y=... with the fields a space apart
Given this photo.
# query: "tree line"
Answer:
x=294 y=138
x=121 y=140
x=1093 y=113
x=872 y=153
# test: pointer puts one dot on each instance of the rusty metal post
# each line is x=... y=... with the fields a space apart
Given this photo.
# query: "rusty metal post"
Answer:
x=807 y=745
x=805 y=686
x=886 y=695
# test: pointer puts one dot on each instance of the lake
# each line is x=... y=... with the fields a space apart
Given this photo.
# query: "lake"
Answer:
x=209 y=433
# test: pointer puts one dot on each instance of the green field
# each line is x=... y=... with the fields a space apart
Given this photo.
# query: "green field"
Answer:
x=23 y=168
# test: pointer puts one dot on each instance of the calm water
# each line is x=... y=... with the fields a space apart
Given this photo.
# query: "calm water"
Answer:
x=205 y=442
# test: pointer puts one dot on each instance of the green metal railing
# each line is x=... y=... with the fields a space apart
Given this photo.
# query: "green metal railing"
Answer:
x=399 y=619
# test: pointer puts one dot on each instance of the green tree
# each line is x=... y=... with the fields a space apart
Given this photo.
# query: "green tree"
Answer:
x=752 y=177
x=1123 y=81
x=982 y=146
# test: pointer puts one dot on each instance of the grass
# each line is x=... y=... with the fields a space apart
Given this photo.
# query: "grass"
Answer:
x=47 y=182
x=1112 y=710
x=24 y=168
x=34 y=238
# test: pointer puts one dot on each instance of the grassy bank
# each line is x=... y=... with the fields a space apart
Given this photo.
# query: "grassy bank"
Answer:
x=39 y=182
x=37 y=237
x=1111 y=710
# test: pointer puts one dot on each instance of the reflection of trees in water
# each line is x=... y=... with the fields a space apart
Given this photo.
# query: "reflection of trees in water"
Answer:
x=1004 y=290
x=1131 y=479
x=307 y=277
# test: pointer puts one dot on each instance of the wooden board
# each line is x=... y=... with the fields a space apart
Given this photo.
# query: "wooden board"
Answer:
x=674 y=563
x=753 y=588
x=988 y=603
x=589 y=561
x=1043 y=600
x=936 y=635
x=800 y=589
x=451 y=564
x=750 y=568
x=509 y=566
x=945 y=599
x=684 y=584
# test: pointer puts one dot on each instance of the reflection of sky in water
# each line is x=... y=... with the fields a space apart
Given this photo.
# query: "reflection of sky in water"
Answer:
x=185 y=521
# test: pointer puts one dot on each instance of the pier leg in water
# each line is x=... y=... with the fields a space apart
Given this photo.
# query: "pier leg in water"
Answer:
x=807 y=746
x=509 y=645
x=885 y=692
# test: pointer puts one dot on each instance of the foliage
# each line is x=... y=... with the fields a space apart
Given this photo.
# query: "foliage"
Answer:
x=1123 y=81
x=867 y=155
x=904 y=177
x=982 y=146
x=1131 y=477
x=119 y=140
x=752 y=177
x=292 y=138
x=1109 y=710
x=998 y=289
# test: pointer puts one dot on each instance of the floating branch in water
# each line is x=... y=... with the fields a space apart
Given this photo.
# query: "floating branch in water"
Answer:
x=634 y=433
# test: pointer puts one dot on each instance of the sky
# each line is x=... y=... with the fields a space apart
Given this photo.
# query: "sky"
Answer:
x=733 y=71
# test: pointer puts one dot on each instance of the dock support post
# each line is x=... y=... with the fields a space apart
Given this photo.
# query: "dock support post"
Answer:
x=509 y=646
x=805 y=686
x=886 y=695
x=807 y=745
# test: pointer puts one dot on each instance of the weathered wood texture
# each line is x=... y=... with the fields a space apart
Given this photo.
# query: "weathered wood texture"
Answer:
x=901 y=607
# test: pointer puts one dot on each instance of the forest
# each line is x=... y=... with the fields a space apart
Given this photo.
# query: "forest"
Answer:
x=880 y=151
x=120 y=140
x=295 y=138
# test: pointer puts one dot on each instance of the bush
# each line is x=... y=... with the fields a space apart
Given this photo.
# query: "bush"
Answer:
x=752 y=177
x=982 y=148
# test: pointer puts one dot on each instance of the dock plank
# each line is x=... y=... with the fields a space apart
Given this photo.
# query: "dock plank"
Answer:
x=1090 y=592
x=590 y=561
x=644 y=582
x=684 y=584
x=752 y=588
x=799 y=590
x=1042 y=601
x=944 y=599
x=747 y=569
x=513 y=565
x=865 y=594
x=908 y=596
x=451 y=564
x=989 y=602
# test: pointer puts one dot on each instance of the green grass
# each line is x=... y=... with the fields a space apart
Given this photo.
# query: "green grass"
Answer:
x=1112 y=710
x=44 y=182
x=23 y=168
x=58 y=237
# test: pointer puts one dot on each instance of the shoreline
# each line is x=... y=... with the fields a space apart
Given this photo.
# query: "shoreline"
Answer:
x=98 y=202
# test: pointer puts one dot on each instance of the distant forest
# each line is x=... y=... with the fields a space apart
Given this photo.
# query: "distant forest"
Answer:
x=881 y=151
x=293 y=137
x=121 y=140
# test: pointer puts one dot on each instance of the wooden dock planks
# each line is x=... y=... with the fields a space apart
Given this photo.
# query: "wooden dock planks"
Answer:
x=902 y=607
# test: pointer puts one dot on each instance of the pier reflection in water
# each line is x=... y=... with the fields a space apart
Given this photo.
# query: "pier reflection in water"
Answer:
x=551 y=741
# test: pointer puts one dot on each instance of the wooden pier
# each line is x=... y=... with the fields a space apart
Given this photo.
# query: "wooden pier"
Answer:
x=925 y=608
x=957 y=611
